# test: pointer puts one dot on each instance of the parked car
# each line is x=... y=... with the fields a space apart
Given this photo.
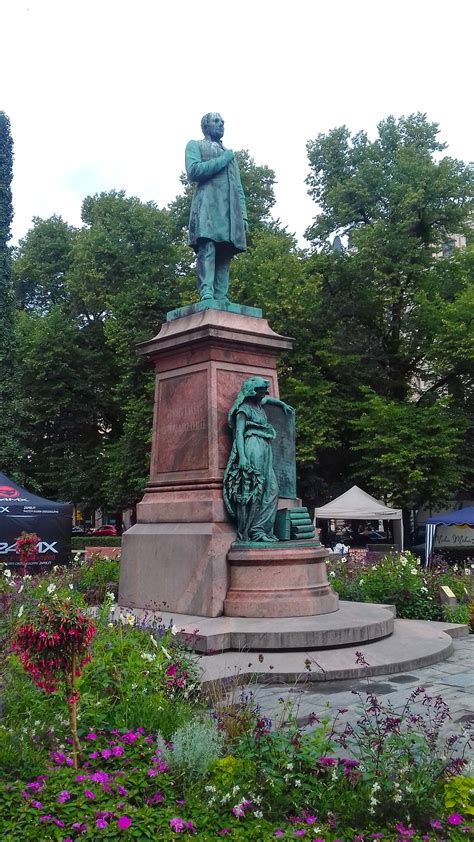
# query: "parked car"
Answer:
x=78 y=530
x=108 y=529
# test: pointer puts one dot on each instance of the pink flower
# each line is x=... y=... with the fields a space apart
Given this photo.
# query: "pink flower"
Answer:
x=117 y=751
x=455 y=818
x=101 y=824
x=189 y=826
x=88 y=793
x=123 y=822
x=301 y=832
x=93 y=755
x=91 y=736
x=37 y=805
x=176 y=824
x=152 y=773
x=64 y=796
x=278 y=832
x=121 y=790
x=81 y=778
x=310 y=819
x=106 y=753
x=223 y=831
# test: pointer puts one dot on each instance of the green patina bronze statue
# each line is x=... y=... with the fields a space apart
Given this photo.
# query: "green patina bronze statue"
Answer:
x=250 y=485
x=218 y=220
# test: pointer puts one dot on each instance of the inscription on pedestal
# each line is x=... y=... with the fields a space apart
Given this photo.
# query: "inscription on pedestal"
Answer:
x=284 y=454
x=182 y=435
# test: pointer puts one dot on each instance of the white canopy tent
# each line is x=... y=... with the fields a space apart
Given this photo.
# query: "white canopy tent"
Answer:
x=356 y=504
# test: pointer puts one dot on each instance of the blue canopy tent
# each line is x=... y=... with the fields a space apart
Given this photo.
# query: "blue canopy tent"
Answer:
x=461 y=517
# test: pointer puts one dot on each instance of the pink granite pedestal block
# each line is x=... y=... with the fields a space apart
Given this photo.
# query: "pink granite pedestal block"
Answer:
x=278 y=581
x=175 y=556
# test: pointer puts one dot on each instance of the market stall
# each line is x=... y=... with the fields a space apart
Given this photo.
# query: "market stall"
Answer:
x=356 y=504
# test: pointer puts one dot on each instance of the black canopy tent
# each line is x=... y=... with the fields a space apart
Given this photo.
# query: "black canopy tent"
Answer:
x=22 y=511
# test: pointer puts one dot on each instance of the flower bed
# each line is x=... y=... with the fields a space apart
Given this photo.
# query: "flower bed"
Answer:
x=400 y=580
x=157 y=759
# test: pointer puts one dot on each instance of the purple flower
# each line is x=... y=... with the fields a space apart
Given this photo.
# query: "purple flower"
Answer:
x=278 y=832
x=58 y=757
x=455 y=818
x=88 y=793
x=58 y=822
x=106 y=753
x=99 y=777
x=91 y=736
x=301 y=832
x=436 y=824
x=45 y=818
x=189 y=826
x=152 y=773
x=156 y=798
x=310 y=819
x=35 y=786
x=327 y=761
x=121 y=790
x=37 y=805
x=117 y=751
x=81 y=827
x=123 y=822
x=63 y=796
x=81 y=778
x=176 y=824
x=69 y=761
x=101 y=824
x=93 y=755
x=223 y=831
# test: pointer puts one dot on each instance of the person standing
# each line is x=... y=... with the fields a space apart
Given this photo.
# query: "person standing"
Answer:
x=218 y=219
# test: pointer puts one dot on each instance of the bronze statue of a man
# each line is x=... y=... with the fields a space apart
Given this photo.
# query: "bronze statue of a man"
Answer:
x=218 y=219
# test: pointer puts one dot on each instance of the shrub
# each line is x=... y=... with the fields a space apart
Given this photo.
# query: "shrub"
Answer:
x=195 y=747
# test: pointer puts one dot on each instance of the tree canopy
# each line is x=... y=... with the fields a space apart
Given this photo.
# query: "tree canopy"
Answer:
x=381 y=374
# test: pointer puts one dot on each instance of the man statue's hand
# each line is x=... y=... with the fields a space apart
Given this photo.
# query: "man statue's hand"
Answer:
x=228 y=155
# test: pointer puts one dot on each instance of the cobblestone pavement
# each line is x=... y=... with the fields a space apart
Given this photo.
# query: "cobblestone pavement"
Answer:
x=452 y=679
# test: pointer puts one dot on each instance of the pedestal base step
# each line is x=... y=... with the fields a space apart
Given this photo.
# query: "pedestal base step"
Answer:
x=352 y=624
x=413 y=644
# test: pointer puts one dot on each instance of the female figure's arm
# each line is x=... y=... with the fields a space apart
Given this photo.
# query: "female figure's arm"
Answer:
x=239 y=440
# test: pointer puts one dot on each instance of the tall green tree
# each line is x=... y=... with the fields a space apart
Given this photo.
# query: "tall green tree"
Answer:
x=9 y=452
x=393 y=202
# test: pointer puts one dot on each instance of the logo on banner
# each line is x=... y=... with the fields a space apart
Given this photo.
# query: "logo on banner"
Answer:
x=8 y=493
x=42 y=547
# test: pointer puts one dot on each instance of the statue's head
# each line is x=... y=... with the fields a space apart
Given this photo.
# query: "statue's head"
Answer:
x=254 y=386
x=212 y=125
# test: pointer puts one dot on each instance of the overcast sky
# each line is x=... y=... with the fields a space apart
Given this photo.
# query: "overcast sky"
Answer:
x=104 y=94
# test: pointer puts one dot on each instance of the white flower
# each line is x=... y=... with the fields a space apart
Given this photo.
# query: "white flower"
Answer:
x=26 y=577
x=258 y=814
x=166 y=653
x=209 y=788
x=408 y=789
x=71 y=587
x=153 y=641
x=20 y=588
x=225 y=798
x=51 y=588
x=134 y=686
x=414 y=571
x=361 y=581
x=289 y=766
x=20 y=612
x=297 y=782
x=373 y=801
x=148 y=656
x=424 y=590
x=7 y=573
x=332 y=573
x=110 y=595
x=397 y=797
x=375 y=786
x=334 y=774
x=235 y=789
x=174 y=630
x=403 y=561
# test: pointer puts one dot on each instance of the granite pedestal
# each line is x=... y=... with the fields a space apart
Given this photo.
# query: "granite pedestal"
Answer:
x=175 y=555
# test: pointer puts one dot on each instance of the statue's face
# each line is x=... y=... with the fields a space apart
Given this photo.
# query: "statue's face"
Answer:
x=215 y=126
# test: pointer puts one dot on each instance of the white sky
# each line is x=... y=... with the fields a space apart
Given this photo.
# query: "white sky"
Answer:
x=104 y=94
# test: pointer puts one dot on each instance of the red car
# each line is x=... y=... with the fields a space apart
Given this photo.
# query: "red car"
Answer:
x=107 y=529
